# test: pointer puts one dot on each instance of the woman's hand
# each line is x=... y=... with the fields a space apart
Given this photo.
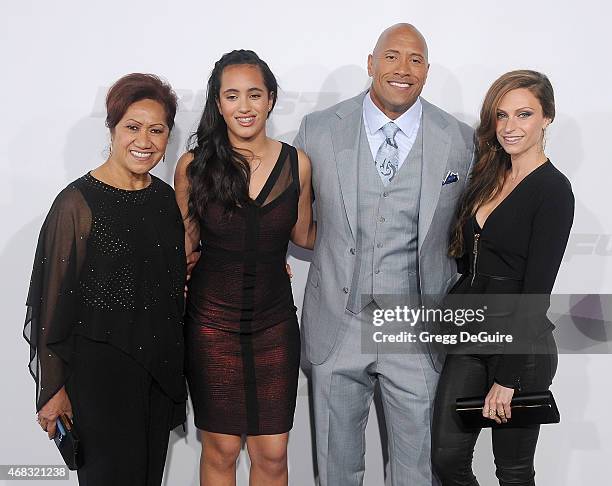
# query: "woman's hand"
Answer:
x=58 y=404
x=497 y=403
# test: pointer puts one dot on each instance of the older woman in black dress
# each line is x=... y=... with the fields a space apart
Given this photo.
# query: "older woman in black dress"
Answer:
x=106 y=298
x=244 y=196
x=511 y=233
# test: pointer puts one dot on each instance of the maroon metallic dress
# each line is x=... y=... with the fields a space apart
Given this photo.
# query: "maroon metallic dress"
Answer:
x=242 y=336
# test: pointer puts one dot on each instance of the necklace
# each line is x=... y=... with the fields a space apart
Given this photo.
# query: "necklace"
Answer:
x=253 y=170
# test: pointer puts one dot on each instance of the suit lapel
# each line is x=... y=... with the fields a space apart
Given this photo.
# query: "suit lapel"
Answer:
x=345 y=139
x=436 y=148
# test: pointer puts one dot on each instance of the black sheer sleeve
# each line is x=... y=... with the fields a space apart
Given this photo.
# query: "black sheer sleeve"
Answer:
x=550 y=232
x=52 y=304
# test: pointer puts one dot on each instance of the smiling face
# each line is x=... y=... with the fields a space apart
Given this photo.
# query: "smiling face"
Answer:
x=140 y=138
x=520 y=123
x=244 y=102
x=398 y=67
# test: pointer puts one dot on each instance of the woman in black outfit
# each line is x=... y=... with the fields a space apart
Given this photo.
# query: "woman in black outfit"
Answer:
x=106 y=298
x=244 y=195
x=512 y=230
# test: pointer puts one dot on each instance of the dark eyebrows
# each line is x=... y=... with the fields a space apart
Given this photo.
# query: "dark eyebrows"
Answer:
x=397 y=53
x=250 y=90
x=140 y=123
x=518 y=109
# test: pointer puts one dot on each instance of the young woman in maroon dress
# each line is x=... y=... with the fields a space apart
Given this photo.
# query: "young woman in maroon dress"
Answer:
x=243 y=196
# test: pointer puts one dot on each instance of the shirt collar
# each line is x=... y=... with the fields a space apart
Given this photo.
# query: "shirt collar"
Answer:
x=376 y=119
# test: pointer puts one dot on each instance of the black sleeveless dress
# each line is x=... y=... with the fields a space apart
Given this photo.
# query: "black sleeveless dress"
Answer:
x=242 y=335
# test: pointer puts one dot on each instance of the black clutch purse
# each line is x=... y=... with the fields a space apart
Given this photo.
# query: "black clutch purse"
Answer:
x=527 y=409
x=67 y=442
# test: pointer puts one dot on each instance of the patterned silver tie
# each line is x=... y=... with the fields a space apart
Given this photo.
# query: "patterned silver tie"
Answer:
x=387 y=157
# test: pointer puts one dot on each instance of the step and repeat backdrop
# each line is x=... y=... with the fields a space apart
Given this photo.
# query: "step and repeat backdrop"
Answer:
x=59 y=58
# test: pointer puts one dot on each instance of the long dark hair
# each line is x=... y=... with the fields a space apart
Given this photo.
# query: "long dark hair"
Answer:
x=218 y=172
x=493 y=162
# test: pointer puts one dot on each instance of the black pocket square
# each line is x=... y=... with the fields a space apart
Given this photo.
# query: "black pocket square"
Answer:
x=450 y=178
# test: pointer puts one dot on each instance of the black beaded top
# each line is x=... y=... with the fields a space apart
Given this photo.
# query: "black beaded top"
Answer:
x=110 y=266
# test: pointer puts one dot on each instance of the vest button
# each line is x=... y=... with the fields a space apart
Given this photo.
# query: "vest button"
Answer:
x=379 y=245
x=345 y=290
x=377 y=271
x=352 y=251
x=382 y=219
x=385 y=194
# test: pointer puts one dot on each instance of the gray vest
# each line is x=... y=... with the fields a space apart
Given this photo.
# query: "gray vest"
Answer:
x=387 y=230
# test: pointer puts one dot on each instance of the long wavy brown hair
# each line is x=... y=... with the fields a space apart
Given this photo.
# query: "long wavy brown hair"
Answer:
x=493 y=163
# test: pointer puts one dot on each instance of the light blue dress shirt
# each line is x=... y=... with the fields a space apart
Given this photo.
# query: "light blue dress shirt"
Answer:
x=408 y=123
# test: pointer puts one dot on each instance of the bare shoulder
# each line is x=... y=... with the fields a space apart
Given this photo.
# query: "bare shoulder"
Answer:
x=303 y=160
x=184 y=161
x=304 y=166
x=180 y=173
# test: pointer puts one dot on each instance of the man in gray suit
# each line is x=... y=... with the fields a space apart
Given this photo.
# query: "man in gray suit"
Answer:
x=387 y=170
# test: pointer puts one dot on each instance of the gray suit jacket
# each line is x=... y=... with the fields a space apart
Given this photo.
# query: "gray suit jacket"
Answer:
x=331 y=140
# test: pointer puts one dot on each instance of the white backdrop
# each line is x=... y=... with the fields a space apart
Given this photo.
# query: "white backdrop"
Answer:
x=58 y=59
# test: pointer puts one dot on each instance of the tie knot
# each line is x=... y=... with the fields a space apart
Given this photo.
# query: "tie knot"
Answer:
x=390 y=129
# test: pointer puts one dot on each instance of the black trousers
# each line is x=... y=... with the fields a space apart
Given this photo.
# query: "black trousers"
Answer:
x=513 y=448
x=122 y=416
